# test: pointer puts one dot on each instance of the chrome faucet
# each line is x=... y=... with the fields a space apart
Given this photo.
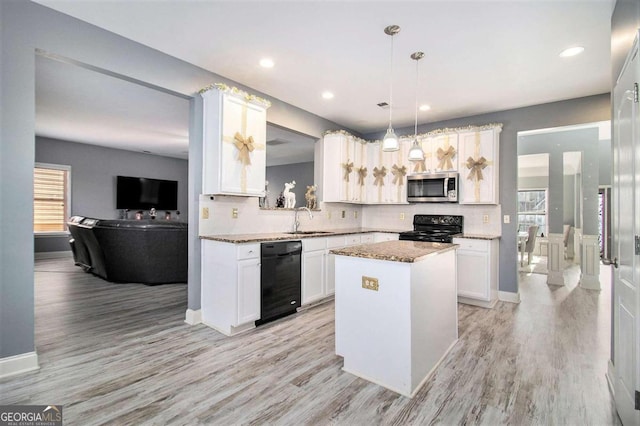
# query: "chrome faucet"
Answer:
x=296 y=223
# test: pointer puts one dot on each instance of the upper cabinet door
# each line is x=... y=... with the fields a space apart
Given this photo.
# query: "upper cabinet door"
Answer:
x=478 y=166
x=444 y=153
x=234 y=146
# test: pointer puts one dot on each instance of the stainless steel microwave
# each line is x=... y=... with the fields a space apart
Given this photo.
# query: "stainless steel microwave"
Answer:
x=432 y=188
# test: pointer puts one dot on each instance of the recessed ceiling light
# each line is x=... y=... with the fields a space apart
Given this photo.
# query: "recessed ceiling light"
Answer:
x=424 y=108
x=327 y=95
x=266 y=63
x=572 y=51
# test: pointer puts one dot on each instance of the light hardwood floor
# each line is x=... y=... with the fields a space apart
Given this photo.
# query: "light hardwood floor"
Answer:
x=122 y=354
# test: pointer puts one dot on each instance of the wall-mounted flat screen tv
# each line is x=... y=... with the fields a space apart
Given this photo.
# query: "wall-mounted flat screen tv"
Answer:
x=138 y=193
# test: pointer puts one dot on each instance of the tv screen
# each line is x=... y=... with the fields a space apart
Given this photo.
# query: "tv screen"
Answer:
x=137 y=193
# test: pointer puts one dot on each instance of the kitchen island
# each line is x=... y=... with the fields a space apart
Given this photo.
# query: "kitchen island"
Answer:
x=396 y=310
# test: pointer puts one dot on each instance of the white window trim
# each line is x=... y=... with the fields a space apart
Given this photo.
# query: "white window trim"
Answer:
x=67 y=197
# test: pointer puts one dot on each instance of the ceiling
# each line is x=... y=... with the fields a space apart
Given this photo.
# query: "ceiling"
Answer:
x=481 y=56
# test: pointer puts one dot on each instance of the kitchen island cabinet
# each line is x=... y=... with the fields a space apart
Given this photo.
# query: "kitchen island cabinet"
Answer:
x=396 y=311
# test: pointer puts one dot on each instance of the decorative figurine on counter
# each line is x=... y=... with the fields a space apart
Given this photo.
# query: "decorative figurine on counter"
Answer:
x=289 y=197
x=280 y=201
x=152 y=213
x=310 y=197
x=167 y=215
x=139 y=215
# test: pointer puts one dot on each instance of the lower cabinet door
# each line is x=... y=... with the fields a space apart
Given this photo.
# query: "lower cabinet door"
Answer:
x=313 y=276
x=248 y=291
x=473 y=274
x=330 y=277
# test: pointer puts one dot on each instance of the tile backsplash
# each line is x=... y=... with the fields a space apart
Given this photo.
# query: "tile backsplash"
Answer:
x=250 y=219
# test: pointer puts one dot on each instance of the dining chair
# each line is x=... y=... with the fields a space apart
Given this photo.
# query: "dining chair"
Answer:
x=530 y=243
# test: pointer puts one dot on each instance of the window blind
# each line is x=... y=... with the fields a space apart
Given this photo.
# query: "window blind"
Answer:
x=49 y=200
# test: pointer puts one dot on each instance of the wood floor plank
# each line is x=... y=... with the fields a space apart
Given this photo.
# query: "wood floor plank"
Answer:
x=122 y=354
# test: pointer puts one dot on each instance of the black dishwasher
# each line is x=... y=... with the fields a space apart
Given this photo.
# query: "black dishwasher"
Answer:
x=280 y=273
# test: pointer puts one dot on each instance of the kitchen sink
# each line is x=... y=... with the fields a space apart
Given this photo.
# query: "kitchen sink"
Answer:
x=307 y=232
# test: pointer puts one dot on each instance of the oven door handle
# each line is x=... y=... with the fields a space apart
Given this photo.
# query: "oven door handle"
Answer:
x=446 y=185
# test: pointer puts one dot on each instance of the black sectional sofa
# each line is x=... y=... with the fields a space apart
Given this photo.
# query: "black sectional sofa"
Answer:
x=130 y=251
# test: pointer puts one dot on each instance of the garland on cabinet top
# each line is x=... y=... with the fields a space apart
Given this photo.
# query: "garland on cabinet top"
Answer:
x=237 y=92
x=437 y=132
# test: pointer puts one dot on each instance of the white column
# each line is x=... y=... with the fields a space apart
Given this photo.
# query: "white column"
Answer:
x=590 y=262
x=555 y=259
x=577 y=249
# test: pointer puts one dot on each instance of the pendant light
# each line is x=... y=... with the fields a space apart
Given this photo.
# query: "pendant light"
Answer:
x=416 y=153
x=390 y=141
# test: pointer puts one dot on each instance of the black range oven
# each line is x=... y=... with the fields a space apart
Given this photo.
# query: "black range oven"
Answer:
x=434 y=228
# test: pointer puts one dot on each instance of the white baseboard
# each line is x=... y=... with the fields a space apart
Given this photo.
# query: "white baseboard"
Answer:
x=53 y=254
x=475 y=302
x=18 y=364
x=193 y=317
x=507 y=296
x=555 y=277
x=611 y=374
x=590 y=282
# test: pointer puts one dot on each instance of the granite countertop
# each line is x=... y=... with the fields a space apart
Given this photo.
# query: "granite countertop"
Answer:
x=276 y=236
x=396 y=251
x=478 y=236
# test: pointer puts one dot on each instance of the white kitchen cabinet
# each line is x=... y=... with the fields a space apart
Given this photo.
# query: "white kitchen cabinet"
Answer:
x=330 y=271
x=443 y=152
x=230 y=283
x=477 y=271
x=387 y=183
x=344 y=160
x=248 y=291
x=313 y=276
x=234 y=142
x=478 y=166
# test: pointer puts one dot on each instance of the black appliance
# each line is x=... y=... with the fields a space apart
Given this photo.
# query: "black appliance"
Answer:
x=434 y=228
x=280 y=279
x=138 y=193
x=432 y=188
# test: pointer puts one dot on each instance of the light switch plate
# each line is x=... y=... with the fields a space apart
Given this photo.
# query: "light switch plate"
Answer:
x=234 y=213
x=343 y=214
x=507 y=218
x=205 y=212
x=328 y=214
x=401 y=216
x=485 y=218
x=355 y=214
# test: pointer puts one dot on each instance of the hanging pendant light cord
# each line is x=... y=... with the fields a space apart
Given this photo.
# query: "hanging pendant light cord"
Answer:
x=391 y=86
x=415 y=130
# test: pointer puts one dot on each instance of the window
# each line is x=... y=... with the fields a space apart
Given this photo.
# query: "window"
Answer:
x=532 y=210
x=51 y=199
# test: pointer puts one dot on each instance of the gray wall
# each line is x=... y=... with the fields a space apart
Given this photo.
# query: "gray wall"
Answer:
x=93 y=179
x=604 y=162
x=576 y=111
x=302 y=173
x=556 y=144
x=25 y=27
